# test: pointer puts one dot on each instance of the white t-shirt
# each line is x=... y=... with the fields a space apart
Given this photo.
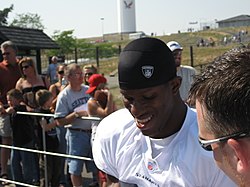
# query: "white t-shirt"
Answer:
x=187 y=73
x=121 y=150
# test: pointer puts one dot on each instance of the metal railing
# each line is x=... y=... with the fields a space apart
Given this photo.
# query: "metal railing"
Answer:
x=44 y=148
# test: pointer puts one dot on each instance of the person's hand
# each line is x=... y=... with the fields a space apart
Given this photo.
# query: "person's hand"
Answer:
x=10 y=110
x=106 y=91
x=82 y=113
x=43 y=123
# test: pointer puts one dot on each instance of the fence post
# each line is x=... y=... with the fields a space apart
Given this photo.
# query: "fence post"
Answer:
x=97 y=56
x=75 y=54
x=192 y=56
x=119 y=49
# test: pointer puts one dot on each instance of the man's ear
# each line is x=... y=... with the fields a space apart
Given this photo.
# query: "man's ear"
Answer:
x=175 y=84
x=241 y=154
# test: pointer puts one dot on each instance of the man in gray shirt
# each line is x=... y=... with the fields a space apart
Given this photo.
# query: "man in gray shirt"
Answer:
x=70 y=107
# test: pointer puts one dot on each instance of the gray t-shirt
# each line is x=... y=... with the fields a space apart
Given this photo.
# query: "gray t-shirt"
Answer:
x=69 y=101
x=187 y=73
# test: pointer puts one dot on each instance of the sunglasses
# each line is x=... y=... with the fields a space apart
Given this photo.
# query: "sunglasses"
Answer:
x=61 y=72
x=25 y=67
x=206 y=144
x=7 y=53
x=88 y=74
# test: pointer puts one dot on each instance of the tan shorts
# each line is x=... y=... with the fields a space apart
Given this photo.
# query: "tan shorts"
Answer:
x=5 y=128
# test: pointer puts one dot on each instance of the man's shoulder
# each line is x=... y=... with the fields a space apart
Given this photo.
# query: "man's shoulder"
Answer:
x=85 y=87
x=117 y=122
x=188 y=68
x=191 y=117
x=64 y=93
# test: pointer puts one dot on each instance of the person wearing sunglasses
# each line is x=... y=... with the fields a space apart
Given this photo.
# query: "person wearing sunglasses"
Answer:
x=222 y=98
x=59 y=85
x=88 y=70
x=153 y=140
x=9 y=72
x=55 y=89
x=30 y=82
x=70 y=107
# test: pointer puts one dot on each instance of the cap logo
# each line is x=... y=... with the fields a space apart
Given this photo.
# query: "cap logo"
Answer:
x=147 y=71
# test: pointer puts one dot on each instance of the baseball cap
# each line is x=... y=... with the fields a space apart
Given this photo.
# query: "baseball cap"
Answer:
x=94 y=81
x=173 y=45
x=144 y=63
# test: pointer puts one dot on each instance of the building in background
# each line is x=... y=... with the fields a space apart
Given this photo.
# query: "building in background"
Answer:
x=126 y=16
x=238 y=21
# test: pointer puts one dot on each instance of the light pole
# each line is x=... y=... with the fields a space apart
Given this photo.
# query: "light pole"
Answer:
x=102 y=20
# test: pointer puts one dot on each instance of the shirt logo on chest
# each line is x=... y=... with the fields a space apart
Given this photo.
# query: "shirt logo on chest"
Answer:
x=153 y=166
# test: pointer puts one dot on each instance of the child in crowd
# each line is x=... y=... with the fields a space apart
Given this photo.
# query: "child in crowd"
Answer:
x=48 y=125
x=23 y=164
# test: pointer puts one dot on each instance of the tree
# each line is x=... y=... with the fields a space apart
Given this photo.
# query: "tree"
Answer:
x=4 y=15
x=28 y=20
x=65 y=40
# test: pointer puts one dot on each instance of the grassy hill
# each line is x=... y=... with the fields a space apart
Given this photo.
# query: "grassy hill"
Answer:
x=201 y=55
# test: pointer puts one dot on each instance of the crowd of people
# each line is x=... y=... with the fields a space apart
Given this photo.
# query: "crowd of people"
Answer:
x=172 y=120
x=61 y=96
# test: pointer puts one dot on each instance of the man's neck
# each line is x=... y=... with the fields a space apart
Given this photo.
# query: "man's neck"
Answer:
x=76 y=88
x=11 y=62
x=178 y=68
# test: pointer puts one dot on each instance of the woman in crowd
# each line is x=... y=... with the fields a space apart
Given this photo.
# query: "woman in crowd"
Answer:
x=59 y=85
x=30 y=82
x=88 y=70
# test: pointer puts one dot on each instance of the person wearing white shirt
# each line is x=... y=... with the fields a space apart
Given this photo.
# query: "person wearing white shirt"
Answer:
x=187 y=73
x=154 y=140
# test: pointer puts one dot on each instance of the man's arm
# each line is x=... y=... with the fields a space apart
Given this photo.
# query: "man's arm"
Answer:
x=71 y=117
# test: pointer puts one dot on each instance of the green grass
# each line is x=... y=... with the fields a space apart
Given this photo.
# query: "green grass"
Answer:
x=201 y=55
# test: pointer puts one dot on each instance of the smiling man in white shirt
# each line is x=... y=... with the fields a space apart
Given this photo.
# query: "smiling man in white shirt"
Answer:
x=153 y=142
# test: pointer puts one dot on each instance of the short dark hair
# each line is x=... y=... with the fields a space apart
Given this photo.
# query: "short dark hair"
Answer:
x=15 y=93
x=42 y=96
x=223 y=89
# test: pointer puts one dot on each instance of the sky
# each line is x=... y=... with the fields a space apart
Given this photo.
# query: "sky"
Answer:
x=156 y=16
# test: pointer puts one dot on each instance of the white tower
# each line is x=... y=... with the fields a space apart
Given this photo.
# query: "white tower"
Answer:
x=126 y=16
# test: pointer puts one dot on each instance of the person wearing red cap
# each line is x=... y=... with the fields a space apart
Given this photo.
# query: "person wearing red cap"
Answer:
x=100 y=105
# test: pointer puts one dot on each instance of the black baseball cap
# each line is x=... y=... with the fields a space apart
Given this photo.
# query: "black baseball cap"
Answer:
x=144 y=63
